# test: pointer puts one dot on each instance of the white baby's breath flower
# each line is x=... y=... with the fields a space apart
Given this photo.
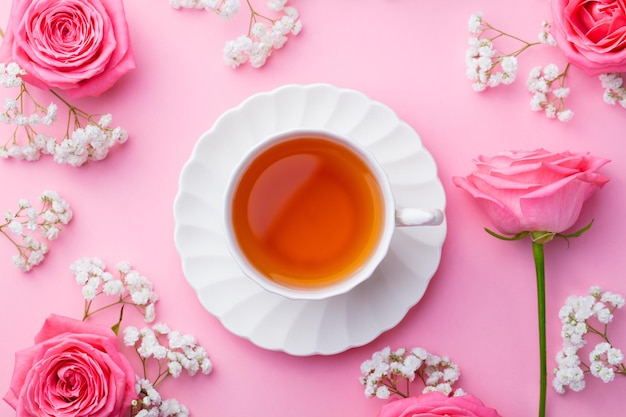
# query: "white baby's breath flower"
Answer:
x=565 y=115
x=175 y=369
x=150 y=313
x=614 y=356
x=30 y=224
x=89 y=292
x=131 y=335
x=475 y=22
x=161 y=328
x=545 y=37
x=382 y=374
x=382 y=392
x=15 y=227
x=257 y=46
x=113 y=287
x=577 y=317
x=551 y=72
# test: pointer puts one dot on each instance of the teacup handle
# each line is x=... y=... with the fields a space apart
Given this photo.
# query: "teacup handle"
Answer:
x=418 y=217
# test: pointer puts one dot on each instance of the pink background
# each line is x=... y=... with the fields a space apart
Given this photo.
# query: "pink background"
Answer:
x=480 y=307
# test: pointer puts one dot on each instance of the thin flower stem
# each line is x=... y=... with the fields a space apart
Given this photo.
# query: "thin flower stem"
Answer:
x=91 y=313
x=143 y=364
x=408 y=387
x=163 y=373
x=253 y=17
x=57 y=95
x=541 y=310
x=603 y=335
x=17 y=246
x=525 y=47
x=501 y=33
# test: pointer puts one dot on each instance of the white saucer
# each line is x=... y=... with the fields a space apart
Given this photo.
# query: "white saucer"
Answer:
x=301 y=327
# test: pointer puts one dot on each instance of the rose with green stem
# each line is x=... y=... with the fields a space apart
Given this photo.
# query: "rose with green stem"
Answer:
x=537 y=194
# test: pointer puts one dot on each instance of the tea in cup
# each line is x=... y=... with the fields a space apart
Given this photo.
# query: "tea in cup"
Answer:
x=310 y=214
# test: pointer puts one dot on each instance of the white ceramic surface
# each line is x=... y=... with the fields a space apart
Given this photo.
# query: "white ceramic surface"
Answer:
x=307 y=327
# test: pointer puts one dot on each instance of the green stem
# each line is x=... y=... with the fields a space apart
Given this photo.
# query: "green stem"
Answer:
x=541 y=309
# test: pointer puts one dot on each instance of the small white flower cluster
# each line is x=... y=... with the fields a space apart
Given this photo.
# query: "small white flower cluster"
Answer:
x=545 y=37
x=131 y=287
x=90 y=139
x=226 y=9
x=181 y=352
x=90 y=143
x=545 y=97
x=488 y=67
x=382 y=374
x=262 y=39
x=604 y=360
x=172 y=351
x=26 y=222
x=11 y=75
x=151 y=404
x=13 y=114
x=485 y=65
x=614 y=89
x=265 y=34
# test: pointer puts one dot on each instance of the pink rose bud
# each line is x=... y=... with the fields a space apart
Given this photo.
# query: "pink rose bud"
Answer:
x=534 y=191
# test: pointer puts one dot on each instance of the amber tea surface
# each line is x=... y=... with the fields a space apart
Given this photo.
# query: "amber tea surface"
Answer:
x=307 y=212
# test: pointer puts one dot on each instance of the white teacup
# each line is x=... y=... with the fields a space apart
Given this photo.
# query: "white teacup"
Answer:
x=310 y=214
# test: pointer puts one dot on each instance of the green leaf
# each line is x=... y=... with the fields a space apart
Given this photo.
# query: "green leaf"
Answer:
x=518 y=236
x=577 y=233
x=116 y=328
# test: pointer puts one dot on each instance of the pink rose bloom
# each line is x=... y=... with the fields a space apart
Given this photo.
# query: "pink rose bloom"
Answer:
x=592 y=33
x=74 y=369
x=534 y=191
x=435 y=404
x=80 y=46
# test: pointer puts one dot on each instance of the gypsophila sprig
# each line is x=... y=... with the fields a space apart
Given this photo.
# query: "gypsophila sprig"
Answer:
x=487 y=66
x=150 y=403
x=265 y=33
x=87 y=137
x=163 y=352
x=549 y=91
x=614 y=89
x=28 y=228
x=129 y=288
x=390 y=373
x=582 y=317
x=173 y=353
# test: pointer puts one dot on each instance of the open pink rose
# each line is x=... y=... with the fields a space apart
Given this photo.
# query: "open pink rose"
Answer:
x=435 y=404
x=80 y=46
x=534 y=191
x=592 y=33
x=74 y=369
